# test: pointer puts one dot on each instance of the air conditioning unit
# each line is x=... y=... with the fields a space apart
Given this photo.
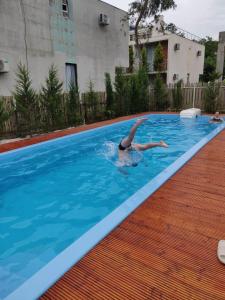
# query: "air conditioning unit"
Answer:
x=175 y=77
x=104 y=20
x=199 y=53
x=177 y=47
x=4 y=66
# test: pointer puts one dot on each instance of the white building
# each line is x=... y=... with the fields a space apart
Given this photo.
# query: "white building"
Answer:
x=183 y=56
x=82 y=38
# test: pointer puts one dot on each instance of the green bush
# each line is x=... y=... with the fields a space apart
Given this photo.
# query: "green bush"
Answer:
x=73 y=105
x=177 y=95
x=134 y=92
x=122 y=101
x=211 y=97
x=131 y=59
x=143 y=90
x=91 y=104
x=161 y=102
x=51 y=96
x=158 y=58
x=4 y=115
x=27 y=107
x=109 y=97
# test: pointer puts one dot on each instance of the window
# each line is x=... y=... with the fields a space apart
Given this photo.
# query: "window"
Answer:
x=65 y=8
x=71 y=75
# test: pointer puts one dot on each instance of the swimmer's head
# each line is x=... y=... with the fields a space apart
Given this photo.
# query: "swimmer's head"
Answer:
x=134 y=164
x=217 y=114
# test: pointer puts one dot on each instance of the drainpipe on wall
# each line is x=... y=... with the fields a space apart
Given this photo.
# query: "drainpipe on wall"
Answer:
x=25 y=30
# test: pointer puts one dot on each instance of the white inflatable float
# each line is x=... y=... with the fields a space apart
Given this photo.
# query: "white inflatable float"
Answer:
x=221 y=251
x=190 y=113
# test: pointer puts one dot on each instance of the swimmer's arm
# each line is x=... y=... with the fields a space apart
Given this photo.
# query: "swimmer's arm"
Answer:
x=123 y=170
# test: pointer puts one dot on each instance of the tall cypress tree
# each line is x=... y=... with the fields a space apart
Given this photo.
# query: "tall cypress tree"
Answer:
x=158 y=58
x=120 y=87
x=73 y=105
x=26 y=101
x=143 y=82
x=51 y=95
x=4 y=115
x=109 y=92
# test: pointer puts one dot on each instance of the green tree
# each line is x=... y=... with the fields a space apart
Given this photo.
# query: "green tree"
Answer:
x=109 y=95
x=160 y=94
x=171 y=27
x=91 y=100
x=73 y=105
x=26 y=102
x=131 y=59
x=4 y=115
x=209 y=73
x=143 y=83
x=144 y=59
x=51 y=95
x=121 y=93
x=142 y=11
x=158 y=58
x=177 y=95
x=211 y=97
x=134 y=94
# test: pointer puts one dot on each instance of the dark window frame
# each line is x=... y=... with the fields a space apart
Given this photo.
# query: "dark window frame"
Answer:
x=65 y=8
x=75 y=74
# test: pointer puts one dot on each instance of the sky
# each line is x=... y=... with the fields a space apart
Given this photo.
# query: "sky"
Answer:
x=200 y=17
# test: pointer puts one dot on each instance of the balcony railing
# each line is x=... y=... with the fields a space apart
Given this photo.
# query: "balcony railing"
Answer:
x=145 y=35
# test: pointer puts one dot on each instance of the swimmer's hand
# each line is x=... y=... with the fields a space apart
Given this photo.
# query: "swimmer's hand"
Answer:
x=163 y=144
x=140 y=121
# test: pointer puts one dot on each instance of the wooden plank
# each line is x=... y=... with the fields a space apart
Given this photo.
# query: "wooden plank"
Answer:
x=166 y=249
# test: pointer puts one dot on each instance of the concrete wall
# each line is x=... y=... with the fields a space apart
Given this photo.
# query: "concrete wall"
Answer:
x=179 y=62
x=99 y=49
x=35 y=33
x=185 y=60
x=13 y=34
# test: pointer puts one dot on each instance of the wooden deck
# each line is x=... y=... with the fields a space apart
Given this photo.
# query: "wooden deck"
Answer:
x=166 y=249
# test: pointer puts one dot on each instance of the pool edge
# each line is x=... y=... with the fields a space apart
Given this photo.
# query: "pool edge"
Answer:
x=41 y=282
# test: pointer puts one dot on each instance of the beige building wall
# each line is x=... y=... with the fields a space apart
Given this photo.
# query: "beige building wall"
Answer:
x=180 y=62
x=184 y=61
x=36 y=33
x=99 y=49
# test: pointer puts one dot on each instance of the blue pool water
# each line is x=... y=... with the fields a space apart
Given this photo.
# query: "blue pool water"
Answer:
x=52 y=193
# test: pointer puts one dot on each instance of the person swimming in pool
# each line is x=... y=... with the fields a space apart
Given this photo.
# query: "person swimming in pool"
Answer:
x=126 y=145
x=216 y=118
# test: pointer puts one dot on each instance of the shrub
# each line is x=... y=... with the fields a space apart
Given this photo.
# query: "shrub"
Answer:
x=91 y=104
x=26 y=102
x=211 y=97
x=73 y=105
x=143 y=88
x=160 y=94
x=158 y=58
x=51 y=96
x=4 y=115
x=131 y=59
x=109 y=95
x=134 y=93
x=122 y=101
x=177 y=95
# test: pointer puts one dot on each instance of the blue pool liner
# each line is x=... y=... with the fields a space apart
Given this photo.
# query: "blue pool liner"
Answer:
x=35 y=286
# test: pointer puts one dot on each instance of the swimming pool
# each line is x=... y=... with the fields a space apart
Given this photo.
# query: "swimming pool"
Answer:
x=59 y=198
